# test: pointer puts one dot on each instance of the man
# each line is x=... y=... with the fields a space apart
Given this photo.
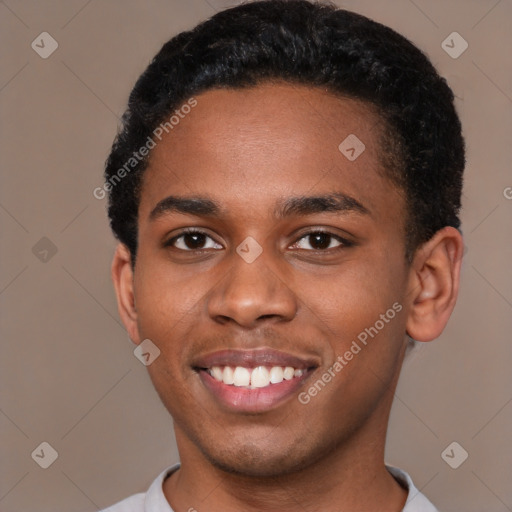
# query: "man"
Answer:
x=285 y=190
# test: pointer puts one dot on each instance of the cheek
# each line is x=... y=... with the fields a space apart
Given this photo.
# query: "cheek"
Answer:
x=349 y=302
x=362 y=314
x=164 y=303
x=167 y=298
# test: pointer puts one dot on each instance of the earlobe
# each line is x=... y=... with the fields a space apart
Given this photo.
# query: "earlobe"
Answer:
x=434 y=284
x=122 y=277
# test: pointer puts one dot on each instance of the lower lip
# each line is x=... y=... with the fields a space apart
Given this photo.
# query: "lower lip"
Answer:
x=252 y=400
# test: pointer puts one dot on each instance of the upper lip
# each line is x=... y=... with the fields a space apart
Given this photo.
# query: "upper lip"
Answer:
x=253 y=358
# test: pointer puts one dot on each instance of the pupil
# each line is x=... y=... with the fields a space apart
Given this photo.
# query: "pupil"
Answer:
x=194 y=240
x=320 y=240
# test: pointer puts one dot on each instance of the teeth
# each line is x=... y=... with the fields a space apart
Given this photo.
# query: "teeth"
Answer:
x=241 y=376
x=276 y=375
x=217 y=373
x=258 y=377
x=227 y=375
x=288 y=373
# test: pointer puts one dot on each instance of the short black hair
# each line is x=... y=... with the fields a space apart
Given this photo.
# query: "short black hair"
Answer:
x=317 y=45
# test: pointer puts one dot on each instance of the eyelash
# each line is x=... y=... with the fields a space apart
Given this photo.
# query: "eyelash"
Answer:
x=344 y=243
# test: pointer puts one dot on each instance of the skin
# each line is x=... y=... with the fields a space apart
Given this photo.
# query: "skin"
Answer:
x=247 y=150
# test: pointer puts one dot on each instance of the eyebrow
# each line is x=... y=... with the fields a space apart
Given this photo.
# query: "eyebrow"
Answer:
x=301 y=205
x=309 y=205
x=200 y=206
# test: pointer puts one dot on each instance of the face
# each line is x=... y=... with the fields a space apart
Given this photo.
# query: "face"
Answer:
x=266 y=253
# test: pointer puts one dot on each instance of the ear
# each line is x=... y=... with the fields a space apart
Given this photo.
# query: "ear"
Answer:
x=434 y=284
x=122 y=276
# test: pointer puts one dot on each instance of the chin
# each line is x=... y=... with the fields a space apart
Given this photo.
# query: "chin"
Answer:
x=253 y=460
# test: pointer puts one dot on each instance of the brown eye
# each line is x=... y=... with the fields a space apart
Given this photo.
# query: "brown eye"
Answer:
x=193 y=241
x=319 y=241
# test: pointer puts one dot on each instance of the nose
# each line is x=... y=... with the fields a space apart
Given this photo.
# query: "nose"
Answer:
x=252 y=293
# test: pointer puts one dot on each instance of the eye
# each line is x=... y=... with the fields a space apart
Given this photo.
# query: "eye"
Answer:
x=193 y=240
x=320 y=241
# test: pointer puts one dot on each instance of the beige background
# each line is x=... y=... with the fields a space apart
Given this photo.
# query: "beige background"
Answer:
x=68 y=374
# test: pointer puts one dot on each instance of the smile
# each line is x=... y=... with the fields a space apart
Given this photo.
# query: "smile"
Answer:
x=253 y=381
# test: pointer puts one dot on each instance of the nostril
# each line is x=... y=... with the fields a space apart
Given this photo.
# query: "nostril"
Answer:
x=264 y=317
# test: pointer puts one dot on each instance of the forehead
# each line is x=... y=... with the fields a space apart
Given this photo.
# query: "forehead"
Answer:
x=256 y=145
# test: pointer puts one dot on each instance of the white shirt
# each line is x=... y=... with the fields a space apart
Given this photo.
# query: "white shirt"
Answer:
x=154 y=499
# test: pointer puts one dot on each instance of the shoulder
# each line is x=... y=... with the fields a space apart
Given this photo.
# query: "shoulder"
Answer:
x=134 y=503
x=416 y=501
x=151 y=501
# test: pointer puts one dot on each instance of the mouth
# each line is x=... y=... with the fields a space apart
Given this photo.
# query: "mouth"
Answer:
x=253 y=381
